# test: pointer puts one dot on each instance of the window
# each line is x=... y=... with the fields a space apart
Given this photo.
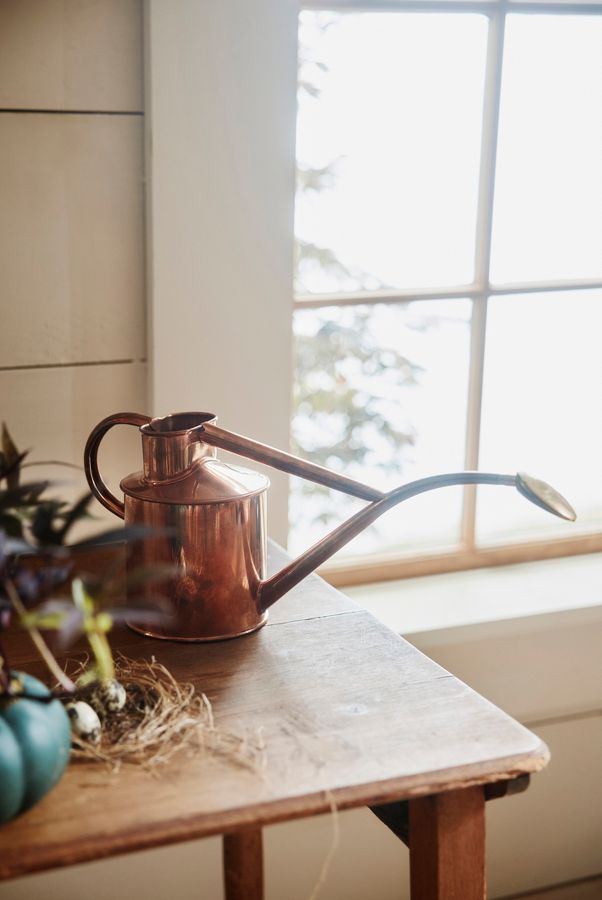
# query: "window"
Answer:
x=448 y=310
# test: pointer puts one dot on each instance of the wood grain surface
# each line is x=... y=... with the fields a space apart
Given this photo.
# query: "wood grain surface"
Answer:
x=349 y=712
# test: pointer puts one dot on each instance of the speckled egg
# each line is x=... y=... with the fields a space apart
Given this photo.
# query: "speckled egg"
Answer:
x=85 y=723
x=108 y=697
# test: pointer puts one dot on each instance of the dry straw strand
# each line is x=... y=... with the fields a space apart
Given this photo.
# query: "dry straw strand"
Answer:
x=336 y=835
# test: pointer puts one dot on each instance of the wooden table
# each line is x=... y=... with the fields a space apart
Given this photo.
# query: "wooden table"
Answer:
x=351 y=715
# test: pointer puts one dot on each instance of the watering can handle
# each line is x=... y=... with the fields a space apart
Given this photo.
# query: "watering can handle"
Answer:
x=97 y=485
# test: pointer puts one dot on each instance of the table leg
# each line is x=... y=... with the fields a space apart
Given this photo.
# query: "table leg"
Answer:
x=243 y=865
x=447 y=846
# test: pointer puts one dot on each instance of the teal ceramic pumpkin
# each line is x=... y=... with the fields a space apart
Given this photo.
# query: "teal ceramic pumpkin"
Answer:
x=35 y=740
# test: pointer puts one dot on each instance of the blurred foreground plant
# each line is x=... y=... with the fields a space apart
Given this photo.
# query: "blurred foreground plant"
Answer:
x=35 y=562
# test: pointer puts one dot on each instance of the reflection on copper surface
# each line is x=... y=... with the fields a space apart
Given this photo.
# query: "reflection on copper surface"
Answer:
x=221 y=561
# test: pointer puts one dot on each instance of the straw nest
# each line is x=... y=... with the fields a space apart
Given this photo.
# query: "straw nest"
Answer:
x=160 y=719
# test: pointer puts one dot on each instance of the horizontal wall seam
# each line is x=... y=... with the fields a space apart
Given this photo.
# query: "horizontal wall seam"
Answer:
x=75 y=112
x=73 y=365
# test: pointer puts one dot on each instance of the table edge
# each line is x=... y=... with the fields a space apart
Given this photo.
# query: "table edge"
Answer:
x=271 y=813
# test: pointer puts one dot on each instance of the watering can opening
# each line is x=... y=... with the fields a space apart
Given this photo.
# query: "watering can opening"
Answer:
x=178 y=423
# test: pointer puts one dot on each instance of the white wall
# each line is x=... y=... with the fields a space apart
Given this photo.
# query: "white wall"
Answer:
x=73 y=341
x=221 y=166
x=73 y=232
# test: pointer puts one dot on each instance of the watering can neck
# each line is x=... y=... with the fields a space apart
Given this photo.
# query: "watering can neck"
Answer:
x=172 y=444
x=536 y=491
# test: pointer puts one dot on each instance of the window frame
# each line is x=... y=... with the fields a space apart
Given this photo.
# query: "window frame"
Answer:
x=466 y=554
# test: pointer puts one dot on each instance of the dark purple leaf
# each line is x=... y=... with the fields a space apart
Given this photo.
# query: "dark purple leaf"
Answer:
x=42 y=524
x=11 y=524
x=79 y=510
x=11 y=470
x=11 y=546
x=36 y=584
x=23 y=495
x=12 y=459
x=26 y=585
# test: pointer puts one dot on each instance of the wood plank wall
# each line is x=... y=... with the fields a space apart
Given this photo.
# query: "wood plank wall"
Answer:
x=73 y=333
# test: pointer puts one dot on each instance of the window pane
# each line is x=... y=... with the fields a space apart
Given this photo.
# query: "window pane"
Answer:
x=548 y=193
x=542 y=410
x=381 y=396
x=388 y=143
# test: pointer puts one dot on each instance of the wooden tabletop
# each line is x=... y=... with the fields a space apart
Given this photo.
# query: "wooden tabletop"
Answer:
x=350 y=714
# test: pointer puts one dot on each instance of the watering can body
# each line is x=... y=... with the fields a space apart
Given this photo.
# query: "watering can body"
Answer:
x=206 y=520
x=219 y=548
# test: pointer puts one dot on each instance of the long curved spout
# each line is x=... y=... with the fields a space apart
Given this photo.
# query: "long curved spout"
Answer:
x=538 y=492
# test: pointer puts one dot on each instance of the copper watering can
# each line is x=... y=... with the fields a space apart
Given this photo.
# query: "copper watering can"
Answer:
x=210 y=518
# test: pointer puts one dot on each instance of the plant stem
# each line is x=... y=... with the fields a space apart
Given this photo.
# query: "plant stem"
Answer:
x=38 y=640
x=102 y=653
x=4 y=671
x=95 y=633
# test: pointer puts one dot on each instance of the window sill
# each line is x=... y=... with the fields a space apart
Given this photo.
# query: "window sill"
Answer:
x=458 y=599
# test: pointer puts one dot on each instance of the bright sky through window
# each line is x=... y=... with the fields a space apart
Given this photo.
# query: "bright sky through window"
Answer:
x=398 y=120
x=389 y=149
